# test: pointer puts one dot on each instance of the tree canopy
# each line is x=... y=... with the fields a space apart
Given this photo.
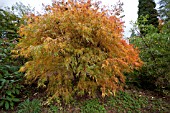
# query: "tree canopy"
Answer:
x=147 y=8
x=164 y=10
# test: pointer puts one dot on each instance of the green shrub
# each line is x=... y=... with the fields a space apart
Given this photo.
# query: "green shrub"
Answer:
x=9 y=24
x=28 y=106
x=10 y=78
x=155 y=52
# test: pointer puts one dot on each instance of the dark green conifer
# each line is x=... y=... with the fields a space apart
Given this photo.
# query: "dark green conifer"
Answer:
x=147 y=8
x=164 y=10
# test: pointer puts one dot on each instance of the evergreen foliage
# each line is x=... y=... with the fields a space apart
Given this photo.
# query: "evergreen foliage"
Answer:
x=76 y=48
x=155 y=52
x=147 y=8
x=10 y=78
x=164 y=10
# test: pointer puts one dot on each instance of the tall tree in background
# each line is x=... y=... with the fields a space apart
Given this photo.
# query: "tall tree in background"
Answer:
x=147 y=8
x=164 y=10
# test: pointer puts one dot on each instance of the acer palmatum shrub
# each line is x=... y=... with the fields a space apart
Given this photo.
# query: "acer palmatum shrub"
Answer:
x=78 y=48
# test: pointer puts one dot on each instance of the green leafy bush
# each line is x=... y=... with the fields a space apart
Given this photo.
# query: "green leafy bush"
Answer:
x=10 y=78
x=9 y=24
x=28 y=106
x=10 y=87
x=155 y=52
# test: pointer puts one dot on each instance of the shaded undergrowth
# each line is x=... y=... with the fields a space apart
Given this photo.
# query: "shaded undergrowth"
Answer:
x=128 y=101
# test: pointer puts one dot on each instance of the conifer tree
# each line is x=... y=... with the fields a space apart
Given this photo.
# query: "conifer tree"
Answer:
x=164 y=10
x=147 y=8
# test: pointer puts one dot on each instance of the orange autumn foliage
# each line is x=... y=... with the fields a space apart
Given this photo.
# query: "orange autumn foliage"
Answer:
x=78 y=48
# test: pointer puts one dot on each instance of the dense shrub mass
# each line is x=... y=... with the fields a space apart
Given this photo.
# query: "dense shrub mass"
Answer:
x=155 y=52
x=10 y=78
x=76 y=48
x=9 y=24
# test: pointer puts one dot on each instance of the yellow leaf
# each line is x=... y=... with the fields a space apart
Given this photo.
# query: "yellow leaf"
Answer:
x=22 y=69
